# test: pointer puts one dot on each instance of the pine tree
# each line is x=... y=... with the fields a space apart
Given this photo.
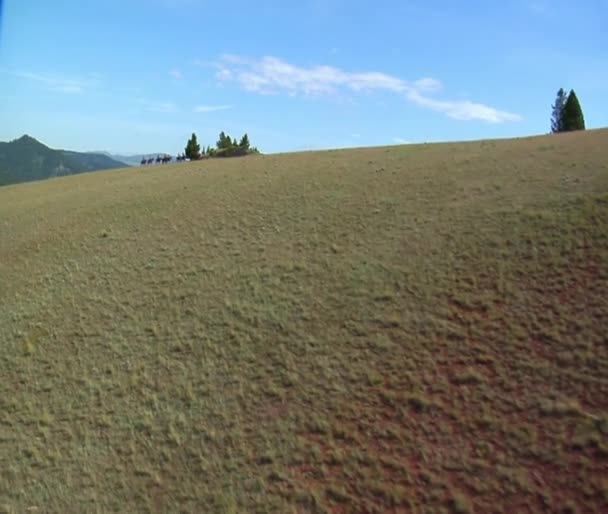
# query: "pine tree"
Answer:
x=558 y=112
x=244 y=143
x=221 y=142
x=572 y=116
x=193 y=149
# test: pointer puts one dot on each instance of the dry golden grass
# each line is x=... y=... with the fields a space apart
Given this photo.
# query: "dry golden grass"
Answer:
x=404 y=329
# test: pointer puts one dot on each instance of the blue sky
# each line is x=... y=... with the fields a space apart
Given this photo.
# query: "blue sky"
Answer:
x=139 y=76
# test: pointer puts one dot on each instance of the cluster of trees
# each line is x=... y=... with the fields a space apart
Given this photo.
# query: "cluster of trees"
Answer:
x=567 y=113
x=225 y=147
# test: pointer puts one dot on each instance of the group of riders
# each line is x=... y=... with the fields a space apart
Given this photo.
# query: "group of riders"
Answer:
x=160 y=159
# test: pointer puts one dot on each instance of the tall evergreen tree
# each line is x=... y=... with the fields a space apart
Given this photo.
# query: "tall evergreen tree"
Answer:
x=572 y=116
x=558 y=112
x=193 y=149
x=221 y=142
x=244 y=143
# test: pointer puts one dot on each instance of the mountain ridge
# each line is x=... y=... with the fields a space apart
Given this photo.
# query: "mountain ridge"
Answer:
x=26 y=159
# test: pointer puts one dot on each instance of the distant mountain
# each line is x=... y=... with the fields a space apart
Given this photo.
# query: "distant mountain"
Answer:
x=26 y=159
x=131 y=160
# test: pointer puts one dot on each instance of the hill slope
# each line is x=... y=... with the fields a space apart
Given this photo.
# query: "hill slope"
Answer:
x=26 y=159
x=403 y=329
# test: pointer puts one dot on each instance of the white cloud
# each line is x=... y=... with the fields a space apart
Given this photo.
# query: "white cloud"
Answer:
x=176 y=74
x=428 y=85
x=463 y=110
x=212 y=108
x=355 y=135
x=401 y=141
x=224 y=74
x=271 y=75
x=59 y=82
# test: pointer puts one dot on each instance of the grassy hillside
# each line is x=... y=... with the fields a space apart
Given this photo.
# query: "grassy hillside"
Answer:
x=404 y=329
x=25 y=160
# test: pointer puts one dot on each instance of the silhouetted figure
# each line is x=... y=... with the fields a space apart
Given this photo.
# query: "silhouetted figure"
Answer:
x=158 y=159
x=143 y=161
x=151 y=160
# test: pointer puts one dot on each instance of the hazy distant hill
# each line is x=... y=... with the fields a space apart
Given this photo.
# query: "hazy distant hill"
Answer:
x=131 y=160
x=26 y=159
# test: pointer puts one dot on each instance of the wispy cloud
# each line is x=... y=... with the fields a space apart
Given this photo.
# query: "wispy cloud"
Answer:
x=155 y=106
x=166 y=107
x=401 y=141
x=58 y=81
x=428 y=85
x=212 y=108
x=464 y=110
x=176 y=74
x=271 y=75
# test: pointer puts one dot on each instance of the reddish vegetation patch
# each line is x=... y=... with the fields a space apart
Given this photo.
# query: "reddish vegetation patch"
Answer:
x=472 y=435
